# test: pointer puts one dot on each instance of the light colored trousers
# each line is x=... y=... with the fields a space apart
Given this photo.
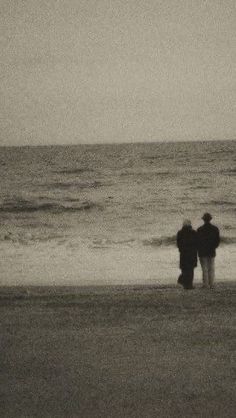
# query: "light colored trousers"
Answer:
x=208 y=271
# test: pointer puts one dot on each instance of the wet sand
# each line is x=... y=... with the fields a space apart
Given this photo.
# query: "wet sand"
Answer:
x=135 y=351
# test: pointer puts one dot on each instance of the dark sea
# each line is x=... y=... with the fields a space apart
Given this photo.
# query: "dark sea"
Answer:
x=109 y=214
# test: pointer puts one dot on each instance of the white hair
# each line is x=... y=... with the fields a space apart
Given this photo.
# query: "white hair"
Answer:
x=187 y=222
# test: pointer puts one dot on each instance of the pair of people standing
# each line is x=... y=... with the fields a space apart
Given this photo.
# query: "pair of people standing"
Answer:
x=203 y=243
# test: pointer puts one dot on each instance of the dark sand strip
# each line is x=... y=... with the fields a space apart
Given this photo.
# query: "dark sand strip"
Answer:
x=118 y=352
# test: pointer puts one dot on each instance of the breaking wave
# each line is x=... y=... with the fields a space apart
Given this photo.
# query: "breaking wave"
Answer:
x=162 y=241
x=25 y=206
x=73 y=170
x=230 y=172
x=222 y=202
x=228 y=240
x=75 y=184
x=171 y=240
x=26 y=237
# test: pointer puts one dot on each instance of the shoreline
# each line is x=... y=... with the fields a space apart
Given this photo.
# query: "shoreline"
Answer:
x=40 y=290
x=59 y=266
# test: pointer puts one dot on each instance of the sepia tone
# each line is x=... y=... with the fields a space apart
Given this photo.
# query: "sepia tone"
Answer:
x=117 y=208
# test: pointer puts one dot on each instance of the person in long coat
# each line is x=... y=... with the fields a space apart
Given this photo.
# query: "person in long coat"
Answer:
x=187 y=245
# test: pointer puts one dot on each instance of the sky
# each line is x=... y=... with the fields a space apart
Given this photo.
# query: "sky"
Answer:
x=104 y=71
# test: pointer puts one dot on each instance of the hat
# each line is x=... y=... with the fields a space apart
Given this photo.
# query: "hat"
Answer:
x=207 y=217
x=187 y=222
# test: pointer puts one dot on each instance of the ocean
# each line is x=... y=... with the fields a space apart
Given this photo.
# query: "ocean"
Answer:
x=109 y=214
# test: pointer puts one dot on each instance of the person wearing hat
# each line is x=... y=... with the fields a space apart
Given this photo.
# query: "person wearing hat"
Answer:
x=208 y=240
x=187 y=245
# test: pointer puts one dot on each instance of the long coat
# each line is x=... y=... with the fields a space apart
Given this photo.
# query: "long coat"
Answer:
x=187 y=245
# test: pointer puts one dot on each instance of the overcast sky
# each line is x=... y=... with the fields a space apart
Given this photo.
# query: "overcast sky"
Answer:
x=89 y=71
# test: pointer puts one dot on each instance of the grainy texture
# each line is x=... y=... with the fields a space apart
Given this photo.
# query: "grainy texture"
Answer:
x=118 y=352
x=109 y=214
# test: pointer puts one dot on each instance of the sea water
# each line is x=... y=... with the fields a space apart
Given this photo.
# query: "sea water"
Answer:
x=109 y=214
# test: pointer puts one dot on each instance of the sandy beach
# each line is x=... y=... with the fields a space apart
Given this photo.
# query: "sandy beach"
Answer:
x=137 y=351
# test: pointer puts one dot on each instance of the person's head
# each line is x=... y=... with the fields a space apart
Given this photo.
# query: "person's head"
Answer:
x=187 y=223
x=207 y=218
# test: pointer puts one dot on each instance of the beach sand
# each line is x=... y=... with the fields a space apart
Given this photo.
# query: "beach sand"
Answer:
x=134 y=351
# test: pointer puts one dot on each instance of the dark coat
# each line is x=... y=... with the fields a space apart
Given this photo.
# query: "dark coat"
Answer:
x=208 y=240
x=187 y=245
